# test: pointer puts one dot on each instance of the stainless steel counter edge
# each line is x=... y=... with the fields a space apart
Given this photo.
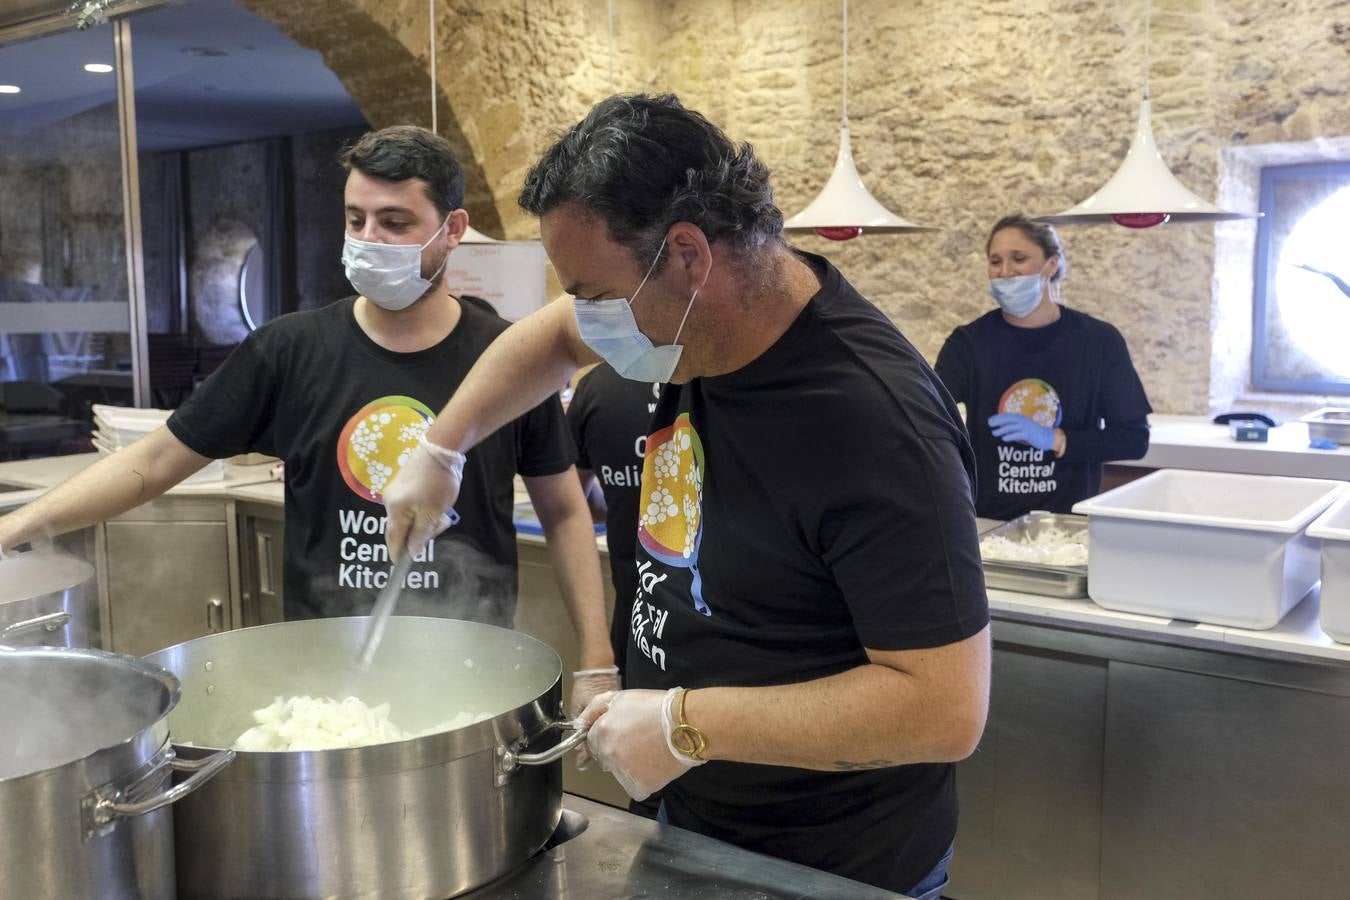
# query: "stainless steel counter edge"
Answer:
x=623 y=855
x=1195 y=442
x=1298 y=636
x=40 y=475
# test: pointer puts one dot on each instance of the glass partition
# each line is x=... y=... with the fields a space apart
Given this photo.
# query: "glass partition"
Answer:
x=65 y=315
x=231 y=133
x=238 y=129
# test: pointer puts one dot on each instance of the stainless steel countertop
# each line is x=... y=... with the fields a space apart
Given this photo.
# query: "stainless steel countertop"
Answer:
x=622 y=855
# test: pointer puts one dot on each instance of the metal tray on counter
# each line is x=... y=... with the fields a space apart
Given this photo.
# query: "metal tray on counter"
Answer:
x=1067 y=582
x=1332 y=423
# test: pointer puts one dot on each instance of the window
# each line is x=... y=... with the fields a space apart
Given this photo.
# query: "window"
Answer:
x=1301 y=339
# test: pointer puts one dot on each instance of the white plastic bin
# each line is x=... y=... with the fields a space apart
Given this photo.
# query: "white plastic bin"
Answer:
x=1210 y=547
x=1334 y=530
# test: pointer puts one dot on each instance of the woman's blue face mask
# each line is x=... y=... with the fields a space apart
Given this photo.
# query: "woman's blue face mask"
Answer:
x=1017 y=295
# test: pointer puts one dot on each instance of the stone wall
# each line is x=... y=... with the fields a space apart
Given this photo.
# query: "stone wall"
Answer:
x=320 y=220
x=61 y=204
x=961 y=111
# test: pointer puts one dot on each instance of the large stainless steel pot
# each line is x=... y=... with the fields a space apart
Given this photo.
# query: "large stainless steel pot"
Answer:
x=47 y=600
x=430 y=817
x=84 y=768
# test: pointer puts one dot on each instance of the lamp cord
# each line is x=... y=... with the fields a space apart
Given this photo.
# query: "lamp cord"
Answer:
x=844 y=118
x=431 y=30
x=1148 y=43
x=610 y=6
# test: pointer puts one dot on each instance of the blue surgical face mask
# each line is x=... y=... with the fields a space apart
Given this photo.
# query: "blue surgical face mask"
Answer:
x=608 y=328
x=388 y=275
x=1018 y=295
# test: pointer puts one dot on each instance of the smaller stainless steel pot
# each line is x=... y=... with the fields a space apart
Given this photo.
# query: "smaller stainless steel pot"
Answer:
x=84 y=772
x=47 y=600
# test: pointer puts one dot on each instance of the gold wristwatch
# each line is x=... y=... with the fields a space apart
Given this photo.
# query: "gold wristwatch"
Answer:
x=685 y=738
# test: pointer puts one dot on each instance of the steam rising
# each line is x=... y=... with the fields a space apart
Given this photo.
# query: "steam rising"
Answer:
x=59 y=707
x=470 y=585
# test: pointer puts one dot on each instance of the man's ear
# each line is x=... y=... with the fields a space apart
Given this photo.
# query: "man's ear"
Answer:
x=690 y=250
x=455 y=225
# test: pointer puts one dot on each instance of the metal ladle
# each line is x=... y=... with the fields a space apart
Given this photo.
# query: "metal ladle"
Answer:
x=384 y=608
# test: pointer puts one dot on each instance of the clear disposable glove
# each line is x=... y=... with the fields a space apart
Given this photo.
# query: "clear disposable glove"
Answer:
x=1010 y=427
x=418 y=500
x=586 y=685
x=630 y=737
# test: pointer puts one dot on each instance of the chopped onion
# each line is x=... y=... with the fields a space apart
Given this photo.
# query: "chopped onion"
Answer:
x=320 y=723
x=1051 y=547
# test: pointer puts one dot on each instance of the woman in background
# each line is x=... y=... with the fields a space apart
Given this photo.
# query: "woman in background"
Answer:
x=1050 y=392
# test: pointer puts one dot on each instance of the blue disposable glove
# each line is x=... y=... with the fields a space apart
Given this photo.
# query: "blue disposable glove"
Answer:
x=1010 y=427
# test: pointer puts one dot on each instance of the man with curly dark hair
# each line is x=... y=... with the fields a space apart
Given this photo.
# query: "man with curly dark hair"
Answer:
x=808 y=644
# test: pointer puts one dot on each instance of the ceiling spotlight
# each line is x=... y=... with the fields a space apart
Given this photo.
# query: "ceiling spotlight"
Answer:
x=98 y=68
x=9 y=88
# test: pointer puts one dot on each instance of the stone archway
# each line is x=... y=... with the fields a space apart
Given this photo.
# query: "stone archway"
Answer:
x=367 y=46
x=511 y=74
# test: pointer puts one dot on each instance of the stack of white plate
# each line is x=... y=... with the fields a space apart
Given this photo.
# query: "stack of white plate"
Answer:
x=116 y=427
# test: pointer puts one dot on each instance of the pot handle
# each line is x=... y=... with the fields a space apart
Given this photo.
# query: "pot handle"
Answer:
x=50 y=622
x=510 y=759
x=108 y=807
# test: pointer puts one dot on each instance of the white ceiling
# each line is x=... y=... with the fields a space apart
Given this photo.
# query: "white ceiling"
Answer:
x=263 y=85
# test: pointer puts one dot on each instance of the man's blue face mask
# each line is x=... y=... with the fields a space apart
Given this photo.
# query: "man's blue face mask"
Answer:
x=608 y=328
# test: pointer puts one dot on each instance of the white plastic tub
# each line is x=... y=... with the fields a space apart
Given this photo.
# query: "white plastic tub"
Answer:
x=1209 y=547
x=1334 y=529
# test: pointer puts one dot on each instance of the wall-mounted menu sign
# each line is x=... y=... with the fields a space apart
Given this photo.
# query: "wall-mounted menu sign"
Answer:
x=511 y=275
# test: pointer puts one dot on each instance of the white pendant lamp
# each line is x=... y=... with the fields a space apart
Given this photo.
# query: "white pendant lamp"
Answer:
x=1143 y=193
x=845 y=208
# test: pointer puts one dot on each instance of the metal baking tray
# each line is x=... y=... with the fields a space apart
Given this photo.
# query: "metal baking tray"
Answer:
x=1332 y=423
x=1032 y=578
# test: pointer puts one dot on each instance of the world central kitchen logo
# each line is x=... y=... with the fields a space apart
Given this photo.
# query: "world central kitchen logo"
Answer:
x=377 y=441
x=373 y=446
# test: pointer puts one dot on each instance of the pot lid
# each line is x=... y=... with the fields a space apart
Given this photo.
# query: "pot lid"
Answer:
x=29 y=575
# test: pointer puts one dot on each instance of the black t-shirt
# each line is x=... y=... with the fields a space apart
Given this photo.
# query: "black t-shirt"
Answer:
x=811 y=504
x=609 y=416
x=315 y=390
x=1074 y=374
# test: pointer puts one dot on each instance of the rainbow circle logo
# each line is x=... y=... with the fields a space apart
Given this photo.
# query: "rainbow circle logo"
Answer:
x=670 y=511
x=1035 y=399
x=376 y=442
